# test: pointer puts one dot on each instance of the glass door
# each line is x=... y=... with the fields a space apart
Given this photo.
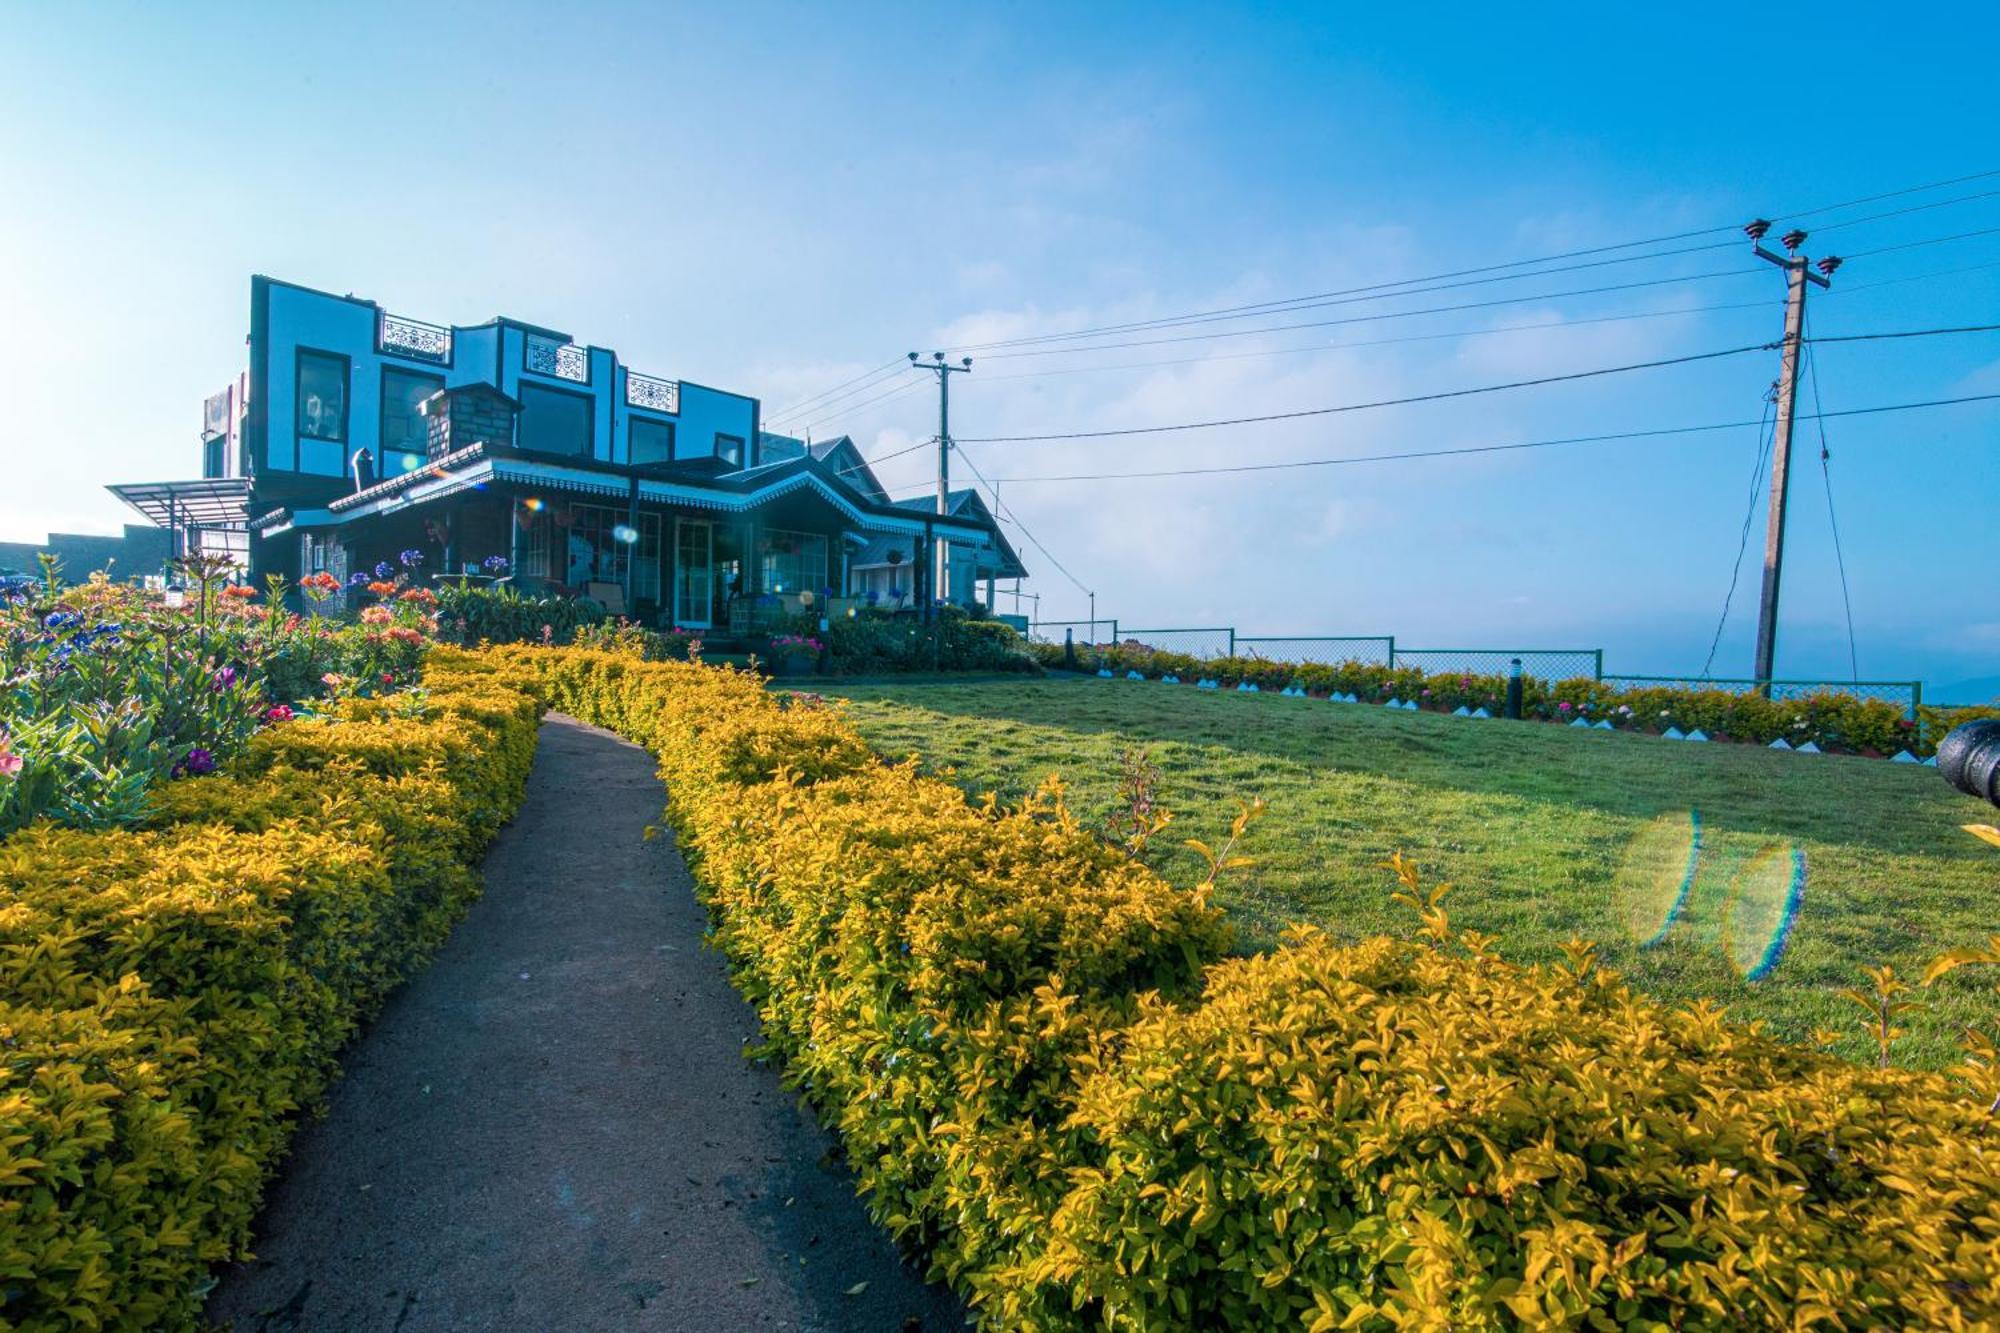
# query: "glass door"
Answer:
x=694 y=573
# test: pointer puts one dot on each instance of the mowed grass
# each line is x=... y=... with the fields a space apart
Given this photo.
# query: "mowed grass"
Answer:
x=1546 y=832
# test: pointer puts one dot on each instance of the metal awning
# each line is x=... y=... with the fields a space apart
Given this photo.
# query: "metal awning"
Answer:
x=212 y=502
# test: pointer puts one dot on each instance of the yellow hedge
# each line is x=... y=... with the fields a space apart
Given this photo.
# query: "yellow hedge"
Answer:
x=1047 y=1074
x=171 y=996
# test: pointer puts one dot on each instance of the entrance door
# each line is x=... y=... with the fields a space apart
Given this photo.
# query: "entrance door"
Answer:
x=694 y=573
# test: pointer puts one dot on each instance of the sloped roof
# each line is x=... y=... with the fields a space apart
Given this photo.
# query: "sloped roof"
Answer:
x=967 y=504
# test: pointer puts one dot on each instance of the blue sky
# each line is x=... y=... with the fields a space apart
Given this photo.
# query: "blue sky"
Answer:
x=775 y=199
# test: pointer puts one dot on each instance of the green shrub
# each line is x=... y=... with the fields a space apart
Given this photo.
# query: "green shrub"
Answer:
x=172 y=995
x=471 y=613
x=1044 y=1071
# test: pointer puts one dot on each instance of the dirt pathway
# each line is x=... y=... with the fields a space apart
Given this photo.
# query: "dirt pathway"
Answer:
x=553 y=1127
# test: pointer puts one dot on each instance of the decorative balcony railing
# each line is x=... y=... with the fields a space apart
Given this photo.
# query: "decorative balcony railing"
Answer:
x=652 y=393
x=565 y=361
x=414 y=338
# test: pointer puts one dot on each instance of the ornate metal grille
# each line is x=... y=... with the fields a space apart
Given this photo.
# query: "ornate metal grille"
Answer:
x=414 y=339
x=653 y=394
x=565 y=361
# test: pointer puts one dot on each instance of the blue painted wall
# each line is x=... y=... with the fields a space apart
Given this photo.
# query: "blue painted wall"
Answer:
x=493 y=353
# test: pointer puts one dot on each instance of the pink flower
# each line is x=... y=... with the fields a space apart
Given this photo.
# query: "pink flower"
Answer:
x=1564 y=705
x=10 y=763
x=278 y=713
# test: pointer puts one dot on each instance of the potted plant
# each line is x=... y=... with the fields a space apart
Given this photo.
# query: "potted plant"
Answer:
x=795 y=654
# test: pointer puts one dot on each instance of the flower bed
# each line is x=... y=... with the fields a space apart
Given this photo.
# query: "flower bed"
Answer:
x=106 y=692
x=172 y=995
x=1046 y=1074
x=1831 y=720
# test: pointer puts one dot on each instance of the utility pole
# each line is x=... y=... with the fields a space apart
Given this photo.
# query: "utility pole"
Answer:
x=1798 y=273
x=940 y=582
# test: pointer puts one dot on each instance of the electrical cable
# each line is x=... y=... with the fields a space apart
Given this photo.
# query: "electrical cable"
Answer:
x=793 y=409
x=1000 y=510
x=1765 y=436
x=850 y=408
x=1826 y=475
x=1438 y=396
x=1384 y=287
x=1465 y=393
x=1347 y=459
x=1913 y=245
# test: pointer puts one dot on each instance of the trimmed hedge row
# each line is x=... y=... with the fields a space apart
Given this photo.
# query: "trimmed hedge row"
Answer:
x=1047 y=1075
x=172 y=996
x=1831 y=719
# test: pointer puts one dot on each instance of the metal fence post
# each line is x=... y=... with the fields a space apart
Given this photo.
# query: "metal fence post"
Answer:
x=1232 y=640
x=1600 y=665
x=1392 y=652
x=1115 y=640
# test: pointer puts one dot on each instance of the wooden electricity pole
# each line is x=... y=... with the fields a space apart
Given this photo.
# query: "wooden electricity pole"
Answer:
x=1799 y=272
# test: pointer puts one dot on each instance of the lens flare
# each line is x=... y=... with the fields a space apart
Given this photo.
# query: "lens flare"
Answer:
x=1765 y=894
x=1653 y=882
x=625 y=533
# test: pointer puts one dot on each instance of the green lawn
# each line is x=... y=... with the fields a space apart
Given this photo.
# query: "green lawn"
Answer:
x=1546 y=831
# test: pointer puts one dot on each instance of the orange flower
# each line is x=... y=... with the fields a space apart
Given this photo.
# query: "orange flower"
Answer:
x=421 y=596
x=382 y=589
x=242 y=591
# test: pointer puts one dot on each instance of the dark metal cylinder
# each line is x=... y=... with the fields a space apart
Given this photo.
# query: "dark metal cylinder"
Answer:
x=1514 y=689
x=1969 y=759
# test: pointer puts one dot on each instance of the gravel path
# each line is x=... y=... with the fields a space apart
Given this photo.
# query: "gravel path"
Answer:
x=553 y=1126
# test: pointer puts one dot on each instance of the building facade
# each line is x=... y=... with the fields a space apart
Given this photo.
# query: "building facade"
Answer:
x=509 y=450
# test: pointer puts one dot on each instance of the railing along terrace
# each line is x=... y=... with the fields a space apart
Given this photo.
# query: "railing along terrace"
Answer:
x=564 y=361
x=652 y=393
x=413 y=338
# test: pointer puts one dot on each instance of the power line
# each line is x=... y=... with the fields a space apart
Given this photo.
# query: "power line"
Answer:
x=1902 y=212
x=1833 y=523
x=1542 y=326
x=1001 y=510
x=851 y=408
x=794 y=409
x=1347 y=459
x=1764 y=437
x=1346 y=296
x=819 y=411
x=1384 y=287
x=1379 y=402
x=1465 y=393
x=1387 y=342
x=1385 y=315
x=1913 y=245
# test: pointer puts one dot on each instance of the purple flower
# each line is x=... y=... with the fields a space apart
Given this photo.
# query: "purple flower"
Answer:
x=494 y=563
x=224 y=679
x=411 y=558
x=199 y=761
x=358 y=580
x=384 y=569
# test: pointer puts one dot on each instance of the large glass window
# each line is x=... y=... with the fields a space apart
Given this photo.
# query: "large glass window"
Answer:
x=793 y=561
x=729 y=448
x=554 y=422
x=322 y=396
x=652 y=441
x=404 y=439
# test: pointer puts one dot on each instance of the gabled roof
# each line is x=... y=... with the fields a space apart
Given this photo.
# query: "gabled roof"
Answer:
x=844 y=457
x=967 y=504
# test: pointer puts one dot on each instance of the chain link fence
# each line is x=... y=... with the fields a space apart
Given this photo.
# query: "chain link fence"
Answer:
x=1319 y=651
x=1085 y=631
x=1541 y=663
x=1907 y=695
x=1200 y=642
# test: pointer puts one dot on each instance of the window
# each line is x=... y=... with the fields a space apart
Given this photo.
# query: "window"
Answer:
x=554 y=422
x=212 y=456
x=729 y=448
x=322 y=396
x=652 y=441
x=793 y=561
x=405 y=438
